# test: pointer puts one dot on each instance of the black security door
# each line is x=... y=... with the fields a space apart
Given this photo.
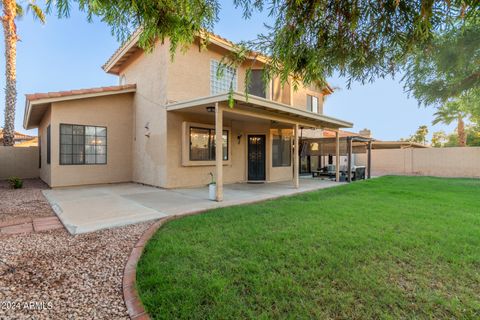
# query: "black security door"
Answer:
x=256 y=157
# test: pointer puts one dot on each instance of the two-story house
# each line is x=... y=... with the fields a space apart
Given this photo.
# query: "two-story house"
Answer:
x=160 y=125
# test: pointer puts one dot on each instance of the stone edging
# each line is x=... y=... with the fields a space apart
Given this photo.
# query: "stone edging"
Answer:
x=135 y=308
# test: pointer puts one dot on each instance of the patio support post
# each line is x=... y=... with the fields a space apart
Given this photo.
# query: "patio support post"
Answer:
x=349 y=159
x=337 y=156
x=296 y=159
x=369 y=160
x=219 y=151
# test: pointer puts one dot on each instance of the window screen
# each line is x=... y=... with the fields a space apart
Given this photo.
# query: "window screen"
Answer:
x=221 y=78
x=83 y=144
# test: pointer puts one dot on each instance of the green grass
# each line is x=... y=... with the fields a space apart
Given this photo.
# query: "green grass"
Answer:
x=392 y=247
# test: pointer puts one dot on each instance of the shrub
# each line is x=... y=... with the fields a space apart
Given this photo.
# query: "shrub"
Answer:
x=15 y=182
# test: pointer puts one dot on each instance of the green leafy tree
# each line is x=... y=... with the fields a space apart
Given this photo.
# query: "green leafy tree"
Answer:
x=11 y=11
x=308 y=40
x=446 y=74
x=473 y=136
x=420 y=136
x=439 y=139
x=448 y=66
x=450 y=112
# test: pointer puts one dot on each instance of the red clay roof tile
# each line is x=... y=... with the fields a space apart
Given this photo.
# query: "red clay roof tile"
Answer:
x=59 y=94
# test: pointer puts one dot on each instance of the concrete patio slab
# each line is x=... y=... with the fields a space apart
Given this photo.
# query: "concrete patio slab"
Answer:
x=90 y=208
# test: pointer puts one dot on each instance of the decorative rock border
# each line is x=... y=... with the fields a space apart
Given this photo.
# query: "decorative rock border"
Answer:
x=135 y=308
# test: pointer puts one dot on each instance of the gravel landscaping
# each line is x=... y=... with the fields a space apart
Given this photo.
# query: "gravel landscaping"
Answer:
x=65 y=276
x=25 y=203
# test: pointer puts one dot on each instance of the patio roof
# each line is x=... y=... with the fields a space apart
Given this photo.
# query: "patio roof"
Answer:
x=264 y=108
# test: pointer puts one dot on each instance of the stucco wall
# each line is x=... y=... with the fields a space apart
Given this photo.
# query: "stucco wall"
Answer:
x=189 y=73
x=18 y=162
x=441 y=162
x=113 y=112
x=189 y=77
x=148 y=72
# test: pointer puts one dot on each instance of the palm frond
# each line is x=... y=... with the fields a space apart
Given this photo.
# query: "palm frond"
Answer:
x=36 y=11
x=19 y=10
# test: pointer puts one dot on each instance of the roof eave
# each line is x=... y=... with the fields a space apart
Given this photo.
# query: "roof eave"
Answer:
x=29 y=104
x=262 y=102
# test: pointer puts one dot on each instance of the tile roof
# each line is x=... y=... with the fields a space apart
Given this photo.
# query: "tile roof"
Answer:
x=18 y=136
x=342 y=134
x=60 y=94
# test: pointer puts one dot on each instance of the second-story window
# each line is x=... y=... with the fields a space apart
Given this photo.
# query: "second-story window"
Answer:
x=221 y=78
x=256 y=86
x=312 y=103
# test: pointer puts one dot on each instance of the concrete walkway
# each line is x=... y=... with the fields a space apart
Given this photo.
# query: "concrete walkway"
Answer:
x=90 y=208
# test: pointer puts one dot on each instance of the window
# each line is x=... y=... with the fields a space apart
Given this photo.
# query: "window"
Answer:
x=83 y=144
x=312 y=103
x=48 y=144
x=256 y=86
x=221 y=78
x=202 y=144
x=281 y=150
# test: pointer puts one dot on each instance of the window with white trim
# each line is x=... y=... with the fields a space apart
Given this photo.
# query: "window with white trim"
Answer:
x=81 y=144
x=312 y=103
x=222 y=78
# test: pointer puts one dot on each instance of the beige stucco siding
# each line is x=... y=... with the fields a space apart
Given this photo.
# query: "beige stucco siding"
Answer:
x=189 y=73
x=148 y=72
x=113 y=112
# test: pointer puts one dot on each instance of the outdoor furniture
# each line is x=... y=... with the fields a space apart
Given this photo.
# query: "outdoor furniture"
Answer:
x=359 y=173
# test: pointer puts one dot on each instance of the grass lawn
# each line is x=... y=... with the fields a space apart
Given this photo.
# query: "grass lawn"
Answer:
x=392 y=247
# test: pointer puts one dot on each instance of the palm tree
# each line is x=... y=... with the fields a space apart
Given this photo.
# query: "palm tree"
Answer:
x=12 y=10
x=449 y=112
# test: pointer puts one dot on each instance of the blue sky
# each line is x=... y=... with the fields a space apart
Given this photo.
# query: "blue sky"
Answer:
x=68 y=53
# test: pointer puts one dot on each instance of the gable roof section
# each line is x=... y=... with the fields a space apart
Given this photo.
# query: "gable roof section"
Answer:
x=130 y=47
x=37 y=103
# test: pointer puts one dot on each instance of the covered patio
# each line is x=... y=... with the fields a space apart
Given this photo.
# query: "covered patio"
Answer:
x=345 y=147
x=254 y=117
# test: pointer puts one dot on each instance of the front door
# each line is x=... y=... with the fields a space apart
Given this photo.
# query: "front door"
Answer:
x=256 y=157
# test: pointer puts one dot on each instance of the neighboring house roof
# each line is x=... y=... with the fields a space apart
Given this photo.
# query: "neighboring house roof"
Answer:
x=130 y=47
x=397 y=145
x=28 y=143
x=342 y=133
x=37 y=103
x=376 y=144
x=18 y=136
x=263 y=105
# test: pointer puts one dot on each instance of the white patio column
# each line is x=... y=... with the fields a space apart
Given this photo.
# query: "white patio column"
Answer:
x=337 y=156
x=296 y=159
x=219 y=151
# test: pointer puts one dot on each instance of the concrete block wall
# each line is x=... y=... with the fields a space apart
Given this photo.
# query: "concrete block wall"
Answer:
x=19 y=162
